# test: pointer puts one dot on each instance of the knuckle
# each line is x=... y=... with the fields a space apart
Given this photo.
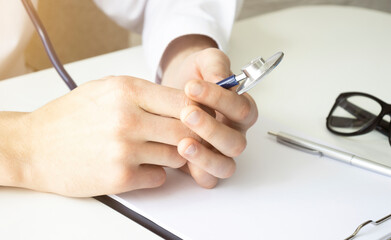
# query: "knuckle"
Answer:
x=120 y=173
x=125 y=85
x=223 y=57
x=230 y=169
x=210 y=134
x=255 y=115
x=118 y=82
x=206 y=127
x=115 y=92
x=121 y=177
x=210 y=183
x=180 y=162
x=177 y=131
x=122 y=122
x=213 y=96
x=120 y=152
x=176 y=161
x=158 y=178
x=216 y=52
x=185 y=101
x=219 y=55
x=245 y=110
x=108 y=77
x=208 y=164
x=193 y=135
x=239 y=147
x=210 y=51
x=122 y=116
x=254 y=119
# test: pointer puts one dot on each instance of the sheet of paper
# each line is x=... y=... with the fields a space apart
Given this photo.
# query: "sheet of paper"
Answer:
x=276 y=193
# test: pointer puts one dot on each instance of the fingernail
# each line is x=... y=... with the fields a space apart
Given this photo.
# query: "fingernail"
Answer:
x=195 y=89
x=190 y=150
x=193 y=118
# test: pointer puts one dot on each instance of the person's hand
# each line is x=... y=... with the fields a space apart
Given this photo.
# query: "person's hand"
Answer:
x=222 y=137
x=107 y=136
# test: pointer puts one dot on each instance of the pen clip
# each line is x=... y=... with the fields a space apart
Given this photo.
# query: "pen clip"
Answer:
x=293 y=144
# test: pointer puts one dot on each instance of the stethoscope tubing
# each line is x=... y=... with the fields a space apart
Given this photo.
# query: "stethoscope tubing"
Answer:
x=48 y=45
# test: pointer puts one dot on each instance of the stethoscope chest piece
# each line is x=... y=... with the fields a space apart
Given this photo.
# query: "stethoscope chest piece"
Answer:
x=256 y=70
x=252 y=73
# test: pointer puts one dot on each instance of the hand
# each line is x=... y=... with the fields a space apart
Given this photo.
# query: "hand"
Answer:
x=105 y=137
x=223 y=137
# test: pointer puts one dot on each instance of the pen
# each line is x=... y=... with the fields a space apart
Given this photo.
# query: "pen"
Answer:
x=316 y=148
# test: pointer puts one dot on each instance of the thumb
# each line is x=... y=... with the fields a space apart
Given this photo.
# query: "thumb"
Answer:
x=213 y=65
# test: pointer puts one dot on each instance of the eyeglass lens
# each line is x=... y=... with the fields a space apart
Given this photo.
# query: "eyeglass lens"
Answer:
x=353 y=114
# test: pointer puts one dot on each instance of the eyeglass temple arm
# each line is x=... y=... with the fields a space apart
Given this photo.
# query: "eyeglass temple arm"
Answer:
x=362 y=114
x=48 y=45
x=337 y=121
x=342 y=122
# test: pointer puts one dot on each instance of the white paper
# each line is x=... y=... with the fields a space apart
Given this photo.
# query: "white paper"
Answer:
x=276 y=193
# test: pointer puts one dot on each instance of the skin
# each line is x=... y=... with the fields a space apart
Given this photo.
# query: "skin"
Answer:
x=193 y=63
x=100 y=138
x=116 y=134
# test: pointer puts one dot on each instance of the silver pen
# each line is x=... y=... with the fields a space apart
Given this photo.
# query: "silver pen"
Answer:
x=316 y=148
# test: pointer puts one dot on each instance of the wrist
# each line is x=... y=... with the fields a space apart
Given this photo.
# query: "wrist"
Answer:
x=13 y=148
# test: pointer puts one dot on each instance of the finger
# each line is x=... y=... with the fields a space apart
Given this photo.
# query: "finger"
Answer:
x=238 y=108
x=160 y=154
x=185 y=168
x=154 y=128
x=228 y=141
x=149 y=176
x=143 y=176
x=155 y=98
x=214 y=163
x=202 y=178
x=213 y=65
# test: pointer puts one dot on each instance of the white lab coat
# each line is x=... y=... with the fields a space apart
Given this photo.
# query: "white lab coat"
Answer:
x=159 y=22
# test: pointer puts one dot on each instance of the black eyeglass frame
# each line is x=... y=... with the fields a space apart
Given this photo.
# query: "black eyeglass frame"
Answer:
x=378 y=123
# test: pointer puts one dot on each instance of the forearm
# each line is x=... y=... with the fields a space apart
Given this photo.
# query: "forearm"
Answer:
x=177 y=51
x=13 y=148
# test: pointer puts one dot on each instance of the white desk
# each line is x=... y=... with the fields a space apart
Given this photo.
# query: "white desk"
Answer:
x=328 y=50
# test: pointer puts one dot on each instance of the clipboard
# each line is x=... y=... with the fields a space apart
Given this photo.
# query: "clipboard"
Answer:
x=276 y=188
x=136 y=217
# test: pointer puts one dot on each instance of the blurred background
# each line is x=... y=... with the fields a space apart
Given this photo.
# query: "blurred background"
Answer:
x=78 y=29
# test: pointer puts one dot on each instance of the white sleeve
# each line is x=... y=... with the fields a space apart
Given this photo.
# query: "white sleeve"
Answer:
x=16 y=30
x=166 y=20
x=162 y=21
x=126 y=13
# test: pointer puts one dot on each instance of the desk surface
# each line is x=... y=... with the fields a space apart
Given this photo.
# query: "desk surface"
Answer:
x=328 y=50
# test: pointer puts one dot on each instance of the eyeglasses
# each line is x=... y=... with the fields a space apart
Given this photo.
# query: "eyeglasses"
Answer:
x=356 y=113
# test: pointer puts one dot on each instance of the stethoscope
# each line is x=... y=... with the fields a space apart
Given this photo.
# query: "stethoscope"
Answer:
x=251 y=74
